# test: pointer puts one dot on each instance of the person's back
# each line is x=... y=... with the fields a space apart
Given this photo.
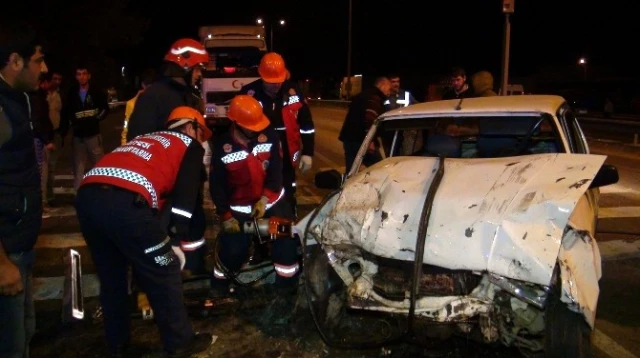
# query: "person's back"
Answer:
x=482 y=84
x=363 y=111
x=154 y=105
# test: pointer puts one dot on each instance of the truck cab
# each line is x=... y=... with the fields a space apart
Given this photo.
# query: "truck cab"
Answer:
x=235 y=53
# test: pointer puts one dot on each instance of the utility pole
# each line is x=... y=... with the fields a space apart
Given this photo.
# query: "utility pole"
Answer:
x=507 y=9
x=348 y=84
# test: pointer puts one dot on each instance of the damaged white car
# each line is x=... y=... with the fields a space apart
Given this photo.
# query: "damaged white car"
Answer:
x=479 y=220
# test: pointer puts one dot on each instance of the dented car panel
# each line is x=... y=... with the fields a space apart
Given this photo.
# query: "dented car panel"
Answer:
x=508 y=220
x=580 y=270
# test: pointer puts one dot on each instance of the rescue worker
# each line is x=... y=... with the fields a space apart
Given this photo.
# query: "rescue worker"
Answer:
x=176 y=87
x=246 y=182
x=289 y=114
x=120 y=205
x=147 y=80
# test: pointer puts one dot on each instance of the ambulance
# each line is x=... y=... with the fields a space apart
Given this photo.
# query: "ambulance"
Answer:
x=235 y=53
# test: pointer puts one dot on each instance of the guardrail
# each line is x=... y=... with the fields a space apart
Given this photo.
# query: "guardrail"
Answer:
x=626 y=126
x=627 y=123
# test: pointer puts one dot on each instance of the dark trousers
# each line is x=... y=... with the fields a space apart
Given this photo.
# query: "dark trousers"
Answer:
x=17 y=313
x=289 y=184
x=234 y=248
x=196 y=258
x=120 y=229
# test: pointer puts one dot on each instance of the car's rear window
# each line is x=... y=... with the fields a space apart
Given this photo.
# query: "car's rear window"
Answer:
x=471 y=137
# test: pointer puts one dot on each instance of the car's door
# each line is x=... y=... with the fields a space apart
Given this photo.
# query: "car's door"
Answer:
x=578 y=144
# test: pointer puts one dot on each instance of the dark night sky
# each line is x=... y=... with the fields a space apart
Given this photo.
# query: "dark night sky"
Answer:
x=416 y=38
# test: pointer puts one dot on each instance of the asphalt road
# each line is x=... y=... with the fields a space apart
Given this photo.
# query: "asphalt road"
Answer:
x=239 y=334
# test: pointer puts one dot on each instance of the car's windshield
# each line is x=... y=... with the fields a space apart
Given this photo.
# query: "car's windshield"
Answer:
x=470 y=137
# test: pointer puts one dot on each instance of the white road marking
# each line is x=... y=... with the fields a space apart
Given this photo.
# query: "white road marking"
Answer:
x=619 y=212
x=619 y=249
x=327 y=160
x=64 y=191
x=60 y=241
x=609 y=346
x=51 y=288
x=63 y=211
x=617 y=189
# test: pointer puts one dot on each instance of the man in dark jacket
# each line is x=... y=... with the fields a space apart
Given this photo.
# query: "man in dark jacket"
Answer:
x=460 y=88
x=84 y=109
x=182 y=70
x=363 y=110
x=176 y=87
x=20 y=196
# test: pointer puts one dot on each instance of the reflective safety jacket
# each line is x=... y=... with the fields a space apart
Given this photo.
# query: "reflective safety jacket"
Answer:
x=242 y=173
x=289 y=115
x=127 y=114
x=83 y=115
x=157 y=166
x=401 y=99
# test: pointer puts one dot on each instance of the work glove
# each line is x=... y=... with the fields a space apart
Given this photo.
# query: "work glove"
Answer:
x=305 y=163
x=231 y=226
x=178 y=251
x=260 y=207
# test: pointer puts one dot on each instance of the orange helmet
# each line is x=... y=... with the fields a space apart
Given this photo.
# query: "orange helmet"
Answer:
x=272 y=68
x=246 y=111
x=187 y=53
x=288 y=76
x=184 y=114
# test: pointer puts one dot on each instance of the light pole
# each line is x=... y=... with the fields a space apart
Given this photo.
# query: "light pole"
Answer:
x=260 y=21
x=583 y=62
x=348 y=84
x=507 y=9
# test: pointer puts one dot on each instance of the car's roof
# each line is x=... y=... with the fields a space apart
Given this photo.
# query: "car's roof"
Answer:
x=495 y=104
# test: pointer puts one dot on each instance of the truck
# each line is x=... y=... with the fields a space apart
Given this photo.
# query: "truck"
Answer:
x=235 y=53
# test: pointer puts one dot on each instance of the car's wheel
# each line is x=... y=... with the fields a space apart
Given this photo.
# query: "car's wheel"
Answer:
x=567 y=334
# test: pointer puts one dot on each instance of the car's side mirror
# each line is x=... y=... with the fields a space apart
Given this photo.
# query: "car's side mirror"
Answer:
x=328 y=179
x=607 y=175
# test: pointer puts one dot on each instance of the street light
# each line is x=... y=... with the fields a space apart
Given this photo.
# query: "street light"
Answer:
x=583 y=62
x=260 y=21
x=348 y=84
x=507 y=9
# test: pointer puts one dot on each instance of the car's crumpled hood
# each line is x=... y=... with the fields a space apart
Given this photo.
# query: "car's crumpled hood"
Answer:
x=503 y=215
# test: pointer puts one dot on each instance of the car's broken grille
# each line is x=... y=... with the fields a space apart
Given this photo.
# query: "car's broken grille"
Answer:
x=393 y=281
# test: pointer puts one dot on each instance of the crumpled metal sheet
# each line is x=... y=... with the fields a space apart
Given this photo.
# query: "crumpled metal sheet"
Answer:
x=502 y=215
x=580 y=270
